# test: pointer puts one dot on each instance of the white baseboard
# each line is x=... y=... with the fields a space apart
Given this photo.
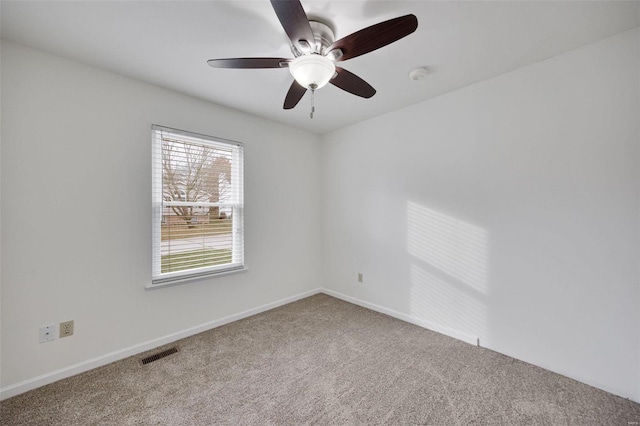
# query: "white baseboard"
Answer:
x=90 y=364
x=404 y=317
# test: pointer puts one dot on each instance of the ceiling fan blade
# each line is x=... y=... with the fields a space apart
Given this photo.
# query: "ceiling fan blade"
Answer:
x=295 y=93
x=351 y=83
x=374 y=37
x=249 y=63
x=295 y=23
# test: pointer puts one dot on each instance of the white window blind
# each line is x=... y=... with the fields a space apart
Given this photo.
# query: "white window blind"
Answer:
x=197 y=205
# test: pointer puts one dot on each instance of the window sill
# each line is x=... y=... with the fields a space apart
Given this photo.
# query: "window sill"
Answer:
x=179 y=281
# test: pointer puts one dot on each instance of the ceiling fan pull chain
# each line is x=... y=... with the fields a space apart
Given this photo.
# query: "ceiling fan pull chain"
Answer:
x=313 y=107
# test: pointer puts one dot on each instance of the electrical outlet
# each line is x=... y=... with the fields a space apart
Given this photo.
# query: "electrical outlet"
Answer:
x=360 y=277
x=46 y=333
x=66 y=328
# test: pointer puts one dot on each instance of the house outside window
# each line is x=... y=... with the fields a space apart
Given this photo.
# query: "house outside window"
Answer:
x=197 y=206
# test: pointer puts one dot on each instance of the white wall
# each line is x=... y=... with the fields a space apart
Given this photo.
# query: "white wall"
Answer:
x=76 y=205
x=505 y=211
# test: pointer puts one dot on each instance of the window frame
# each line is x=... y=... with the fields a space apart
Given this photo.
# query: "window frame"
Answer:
x=237 y=264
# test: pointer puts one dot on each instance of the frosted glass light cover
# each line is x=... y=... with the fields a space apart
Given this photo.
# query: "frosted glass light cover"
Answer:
x=312 y=69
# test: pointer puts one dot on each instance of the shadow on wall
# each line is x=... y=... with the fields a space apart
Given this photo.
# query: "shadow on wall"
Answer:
x=448 y=272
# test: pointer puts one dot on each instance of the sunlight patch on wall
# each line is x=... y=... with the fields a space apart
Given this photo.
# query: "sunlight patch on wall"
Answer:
x=435 y=300
x=456 y=248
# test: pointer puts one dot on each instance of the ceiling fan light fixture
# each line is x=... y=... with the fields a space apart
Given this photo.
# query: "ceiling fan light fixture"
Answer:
x=312 y=71
x=316 y=51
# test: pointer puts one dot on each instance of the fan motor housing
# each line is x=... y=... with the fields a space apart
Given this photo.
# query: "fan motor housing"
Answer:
x=323 y=35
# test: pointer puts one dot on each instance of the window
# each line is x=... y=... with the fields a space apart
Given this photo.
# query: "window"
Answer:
x=197 y=205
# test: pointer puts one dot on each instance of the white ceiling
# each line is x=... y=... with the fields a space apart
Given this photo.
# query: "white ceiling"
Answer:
x=168 y=43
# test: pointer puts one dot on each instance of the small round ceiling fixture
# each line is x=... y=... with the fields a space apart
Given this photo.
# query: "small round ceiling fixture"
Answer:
x=418 y=73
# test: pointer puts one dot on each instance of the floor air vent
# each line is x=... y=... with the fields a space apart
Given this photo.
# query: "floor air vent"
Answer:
x=159 y=355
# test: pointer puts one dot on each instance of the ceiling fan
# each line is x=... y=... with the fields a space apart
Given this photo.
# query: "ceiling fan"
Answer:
x=316 y=52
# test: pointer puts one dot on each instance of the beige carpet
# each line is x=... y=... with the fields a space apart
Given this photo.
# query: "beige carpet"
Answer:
x=320 y=361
